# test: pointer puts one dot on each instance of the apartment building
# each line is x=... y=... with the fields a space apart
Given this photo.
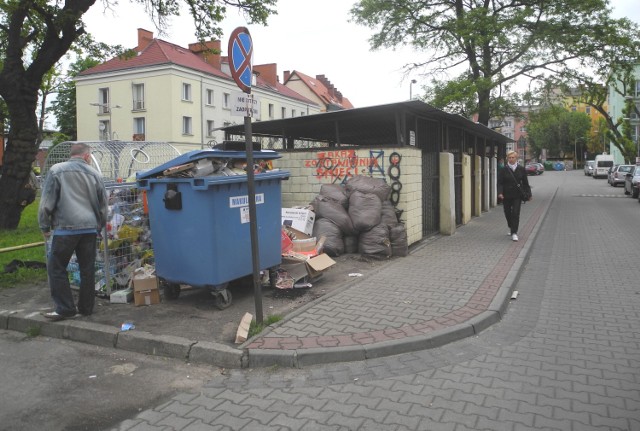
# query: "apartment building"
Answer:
x=165 y=92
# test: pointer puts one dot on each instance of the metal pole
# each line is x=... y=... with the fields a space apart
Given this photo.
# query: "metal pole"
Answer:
x=253 y=221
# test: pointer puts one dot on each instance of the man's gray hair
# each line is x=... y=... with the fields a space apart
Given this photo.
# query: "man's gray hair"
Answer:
x=79 y=149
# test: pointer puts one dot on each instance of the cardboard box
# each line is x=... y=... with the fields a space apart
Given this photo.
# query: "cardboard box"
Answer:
x=300 y=267
x=299 y=218
x=146 y=297
x=121 y=296
x=144 y=283
x=316 y=265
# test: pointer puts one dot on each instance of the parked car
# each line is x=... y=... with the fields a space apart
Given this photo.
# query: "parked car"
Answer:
x=531 y=169
x=631 y=182
x=540 y=168
x=588 y=167
x=616 y=176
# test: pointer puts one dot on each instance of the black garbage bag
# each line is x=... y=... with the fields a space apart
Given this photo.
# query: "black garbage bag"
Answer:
x=328 y=208
x=388 y=216
x=335 y=192
x=399 y=240
x=365 y=210
x=333 y=244
x=375 y=242
x=364 y=184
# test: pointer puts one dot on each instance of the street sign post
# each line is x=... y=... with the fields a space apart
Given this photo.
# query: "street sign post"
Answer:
x=240 y=51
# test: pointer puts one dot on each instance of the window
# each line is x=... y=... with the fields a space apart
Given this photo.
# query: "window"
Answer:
x=284 y=112
x=293 y=113
x=587 y=110
x=138 y=126
x=573 y=108
x=226 y=100
x=209 y=96
x=210 y=127
x=186 y=126
x=138 y=96
x=271 y=111
x=186 y=92
x=637 y=88
x=103 y=101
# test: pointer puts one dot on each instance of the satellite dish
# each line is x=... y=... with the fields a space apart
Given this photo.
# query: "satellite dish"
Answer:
x=102 y=127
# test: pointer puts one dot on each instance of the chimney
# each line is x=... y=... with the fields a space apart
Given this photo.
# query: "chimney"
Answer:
x=285 y=76
x=267 y=72
x=208 y=51
x=145 y=37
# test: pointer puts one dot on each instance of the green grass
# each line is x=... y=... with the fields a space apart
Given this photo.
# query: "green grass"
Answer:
x=28 y=232
x=255 y=329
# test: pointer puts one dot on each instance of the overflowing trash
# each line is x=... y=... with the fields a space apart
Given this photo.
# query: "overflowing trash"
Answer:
x=127 y=239
x=214 y=163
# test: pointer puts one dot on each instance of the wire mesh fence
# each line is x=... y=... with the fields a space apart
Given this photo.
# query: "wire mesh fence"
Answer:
x=125 y=243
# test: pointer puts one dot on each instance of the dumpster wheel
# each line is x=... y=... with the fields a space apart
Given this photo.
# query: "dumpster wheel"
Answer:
x=222 y=298
x=171 y=290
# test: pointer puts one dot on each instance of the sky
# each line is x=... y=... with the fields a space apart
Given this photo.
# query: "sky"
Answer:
x=314 y=37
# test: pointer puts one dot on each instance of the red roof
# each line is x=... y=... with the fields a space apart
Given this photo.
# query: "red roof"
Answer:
x=158 y=52
x=322 y=88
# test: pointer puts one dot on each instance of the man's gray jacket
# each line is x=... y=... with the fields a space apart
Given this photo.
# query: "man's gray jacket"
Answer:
x=73 y=198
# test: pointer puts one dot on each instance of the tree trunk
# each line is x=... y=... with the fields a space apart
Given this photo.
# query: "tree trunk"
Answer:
x=16 y=189
x=484 y=107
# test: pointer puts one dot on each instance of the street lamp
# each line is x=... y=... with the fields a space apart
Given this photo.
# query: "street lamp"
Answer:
x=106 y=109
x=413 y=81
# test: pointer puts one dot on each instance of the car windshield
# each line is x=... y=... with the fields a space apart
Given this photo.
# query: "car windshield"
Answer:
x=625 y=168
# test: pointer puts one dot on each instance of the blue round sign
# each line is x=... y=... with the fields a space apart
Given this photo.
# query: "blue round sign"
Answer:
x=240 y=58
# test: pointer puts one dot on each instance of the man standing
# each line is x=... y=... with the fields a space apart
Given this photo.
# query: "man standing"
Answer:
x=73 y=208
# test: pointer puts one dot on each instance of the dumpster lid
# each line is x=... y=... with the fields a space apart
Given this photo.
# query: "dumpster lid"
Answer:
x=205 y=154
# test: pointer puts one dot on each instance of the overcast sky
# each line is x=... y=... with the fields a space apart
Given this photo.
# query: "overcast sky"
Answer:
x=312 y=36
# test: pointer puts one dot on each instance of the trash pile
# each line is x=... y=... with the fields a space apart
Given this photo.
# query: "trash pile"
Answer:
x=215 y=166
x=359 y=218
x=356 y=218
x=128 y=239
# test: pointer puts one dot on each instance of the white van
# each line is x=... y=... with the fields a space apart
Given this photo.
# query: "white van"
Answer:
x=601 y=165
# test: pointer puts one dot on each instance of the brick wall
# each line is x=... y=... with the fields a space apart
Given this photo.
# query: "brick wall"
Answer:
x=310 y=169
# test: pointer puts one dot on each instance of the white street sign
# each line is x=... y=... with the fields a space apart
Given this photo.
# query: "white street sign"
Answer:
x=244 y=105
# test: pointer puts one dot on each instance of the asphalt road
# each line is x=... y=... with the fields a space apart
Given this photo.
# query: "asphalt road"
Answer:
x=565 y=357
x=52 y=384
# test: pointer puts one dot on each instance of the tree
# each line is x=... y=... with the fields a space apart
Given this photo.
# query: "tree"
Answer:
x=88 y=55
x=490 y=43
x=34 y=36
x=612 y=74
x=558 y=131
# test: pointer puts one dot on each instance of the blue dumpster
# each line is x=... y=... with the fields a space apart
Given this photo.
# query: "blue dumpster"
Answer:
x=200 y=226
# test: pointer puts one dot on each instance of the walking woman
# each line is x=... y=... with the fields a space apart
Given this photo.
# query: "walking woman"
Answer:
x=513 y=189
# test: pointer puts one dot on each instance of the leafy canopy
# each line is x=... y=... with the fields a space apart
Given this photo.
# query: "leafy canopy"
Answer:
x=487 y=44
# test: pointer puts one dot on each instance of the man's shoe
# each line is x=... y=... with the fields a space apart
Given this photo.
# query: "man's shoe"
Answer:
x=509 y=233
x=55 y=317
x=514 y=237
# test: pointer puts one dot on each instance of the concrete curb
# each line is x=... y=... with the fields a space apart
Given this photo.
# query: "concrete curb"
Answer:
x=496 y=310
x=221 y=355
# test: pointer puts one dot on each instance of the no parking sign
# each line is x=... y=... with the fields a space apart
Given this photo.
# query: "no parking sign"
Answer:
x=240 y=57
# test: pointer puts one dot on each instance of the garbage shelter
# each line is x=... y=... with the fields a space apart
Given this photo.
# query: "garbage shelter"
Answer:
x=199 y=217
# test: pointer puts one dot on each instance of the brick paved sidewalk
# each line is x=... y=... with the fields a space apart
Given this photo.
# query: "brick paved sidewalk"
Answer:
x=441 y=292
